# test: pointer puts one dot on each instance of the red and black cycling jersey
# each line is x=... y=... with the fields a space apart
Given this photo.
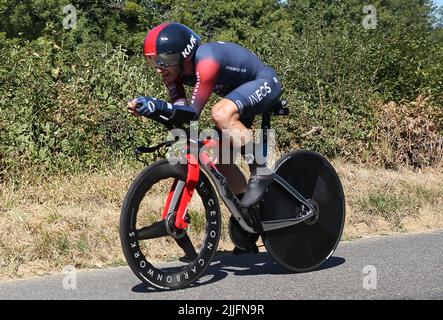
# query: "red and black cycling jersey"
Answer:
x=220 y=67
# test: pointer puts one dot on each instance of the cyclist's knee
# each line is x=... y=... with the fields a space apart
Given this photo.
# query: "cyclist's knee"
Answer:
x=225 y=113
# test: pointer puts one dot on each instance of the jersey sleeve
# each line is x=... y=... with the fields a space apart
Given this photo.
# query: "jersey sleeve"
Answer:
x=206 y=72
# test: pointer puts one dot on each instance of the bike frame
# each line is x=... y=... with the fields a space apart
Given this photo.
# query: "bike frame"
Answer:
x=183 y=191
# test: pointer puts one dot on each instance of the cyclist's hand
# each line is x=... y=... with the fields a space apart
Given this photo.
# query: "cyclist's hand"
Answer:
x=132 y=108
x=146 y=105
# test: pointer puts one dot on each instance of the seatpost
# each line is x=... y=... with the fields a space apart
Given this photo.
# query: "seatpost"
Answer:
x=265 y=125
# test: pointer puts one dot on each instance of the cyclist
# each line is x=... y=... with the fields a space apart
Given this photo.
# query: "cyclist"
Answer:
x=248 y=87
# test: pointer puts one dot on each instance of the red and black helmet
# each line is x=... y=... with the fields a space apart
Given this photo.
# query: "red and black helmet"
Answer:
x=170 y=44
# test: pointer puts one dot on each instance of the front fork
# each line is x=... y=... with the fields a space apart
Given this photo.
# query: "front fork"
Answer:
x=183 y=191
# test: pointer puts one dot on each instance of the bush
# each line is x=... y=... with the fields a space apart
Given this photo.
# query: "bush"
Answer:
x=67 y=110
x=63 y=93
x=409 y=133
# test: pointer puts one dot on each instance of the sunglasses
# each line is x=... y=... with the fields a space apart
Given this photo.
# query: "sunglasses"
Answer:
x=163 y=61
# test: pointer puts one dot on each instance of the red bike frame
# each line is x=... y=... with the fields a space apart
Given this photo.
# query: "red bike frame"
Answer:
x=192 y=179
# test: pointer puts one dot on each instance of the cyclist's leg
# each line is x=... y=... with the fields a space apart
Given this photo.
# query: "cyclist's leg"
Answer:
x=227 y=163
x=246 y=101
x=227 y=119
x=244 y=242
x=252 y=98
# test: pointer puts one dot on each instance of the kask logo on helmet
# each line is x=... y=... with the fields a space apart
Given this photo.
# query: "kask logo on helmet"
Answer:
x=189 y=47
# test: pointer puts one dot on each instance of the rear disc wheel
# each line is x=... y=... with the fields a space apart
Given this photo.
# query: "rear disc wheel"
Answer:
x=304 y=246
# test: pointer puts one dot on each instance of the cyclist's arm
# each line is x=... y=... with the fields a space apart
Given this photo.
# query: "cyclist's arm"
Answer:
x=206 y=71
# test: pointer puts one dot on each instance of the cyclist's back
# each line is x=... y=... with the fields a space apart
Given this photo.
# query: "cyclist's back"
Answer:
x=231 y=71
x=237 y=65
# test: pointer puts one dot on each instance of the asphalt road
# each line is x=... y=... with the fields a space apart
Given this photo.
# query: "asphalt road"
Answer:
x=385 y=267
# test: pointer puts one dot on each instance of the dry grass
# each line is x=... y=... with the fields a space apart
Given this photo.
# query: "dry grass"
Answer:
x=387 y=201
x=47 y=225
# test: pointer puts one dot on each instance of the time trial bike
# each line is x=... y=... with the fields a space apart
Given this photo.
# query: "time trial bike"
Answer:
x=172 y=208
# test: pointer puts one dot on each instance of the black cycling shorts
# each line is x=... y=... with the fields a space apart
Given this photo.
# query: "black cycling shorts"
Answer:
x=257 y=96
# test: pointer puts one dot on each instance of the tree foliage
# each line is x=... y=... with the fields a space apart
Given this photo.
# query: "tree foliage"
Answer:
x=63 y=91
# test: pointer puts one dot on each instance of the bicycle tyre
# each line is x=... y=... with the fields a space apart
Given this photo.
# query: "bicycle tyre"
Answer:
x=166 y=277
x=304 y=247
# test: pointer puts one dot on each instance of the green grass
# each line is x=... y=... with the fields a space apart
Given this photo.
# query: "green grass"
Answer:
x=83 y=245
x=384 y=204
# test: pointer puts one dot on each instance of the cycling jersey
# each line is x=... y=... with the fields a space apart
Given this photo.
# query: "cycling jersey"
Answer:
x=230 y=71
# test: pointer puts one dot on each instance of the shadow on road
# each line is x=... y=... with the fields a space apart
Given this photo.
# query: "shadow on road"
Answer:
x=260 y=264
x=240 y=265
